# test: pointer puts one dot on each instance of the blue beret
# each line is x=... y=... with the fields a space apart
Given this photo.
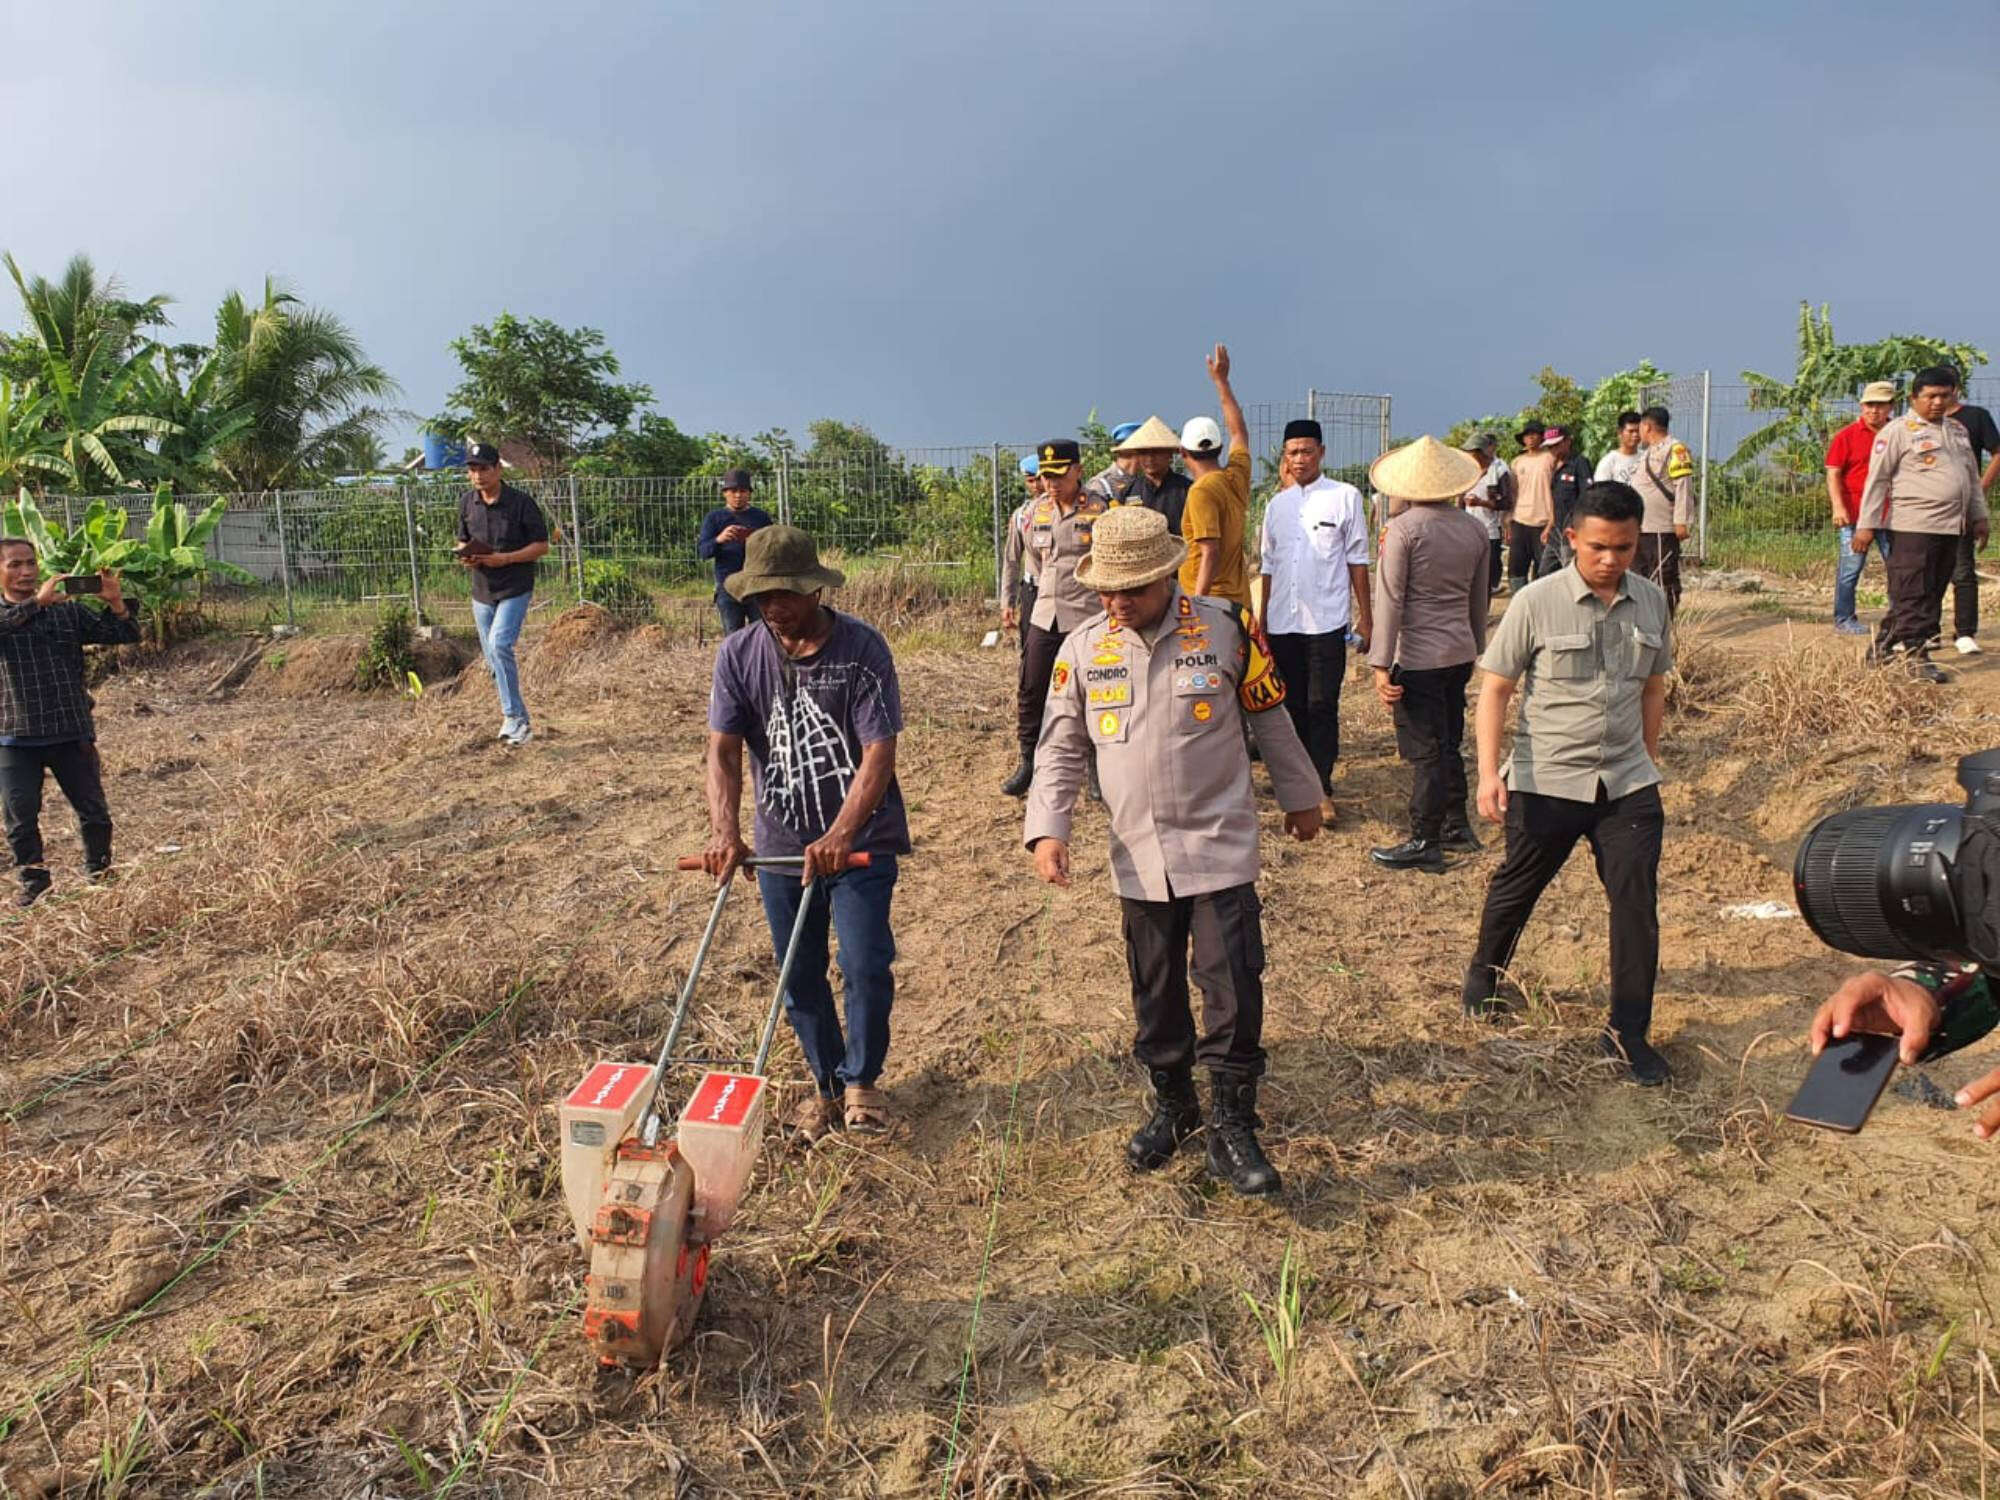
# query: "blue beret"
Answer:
x=1031 y=465
x=1124 y=430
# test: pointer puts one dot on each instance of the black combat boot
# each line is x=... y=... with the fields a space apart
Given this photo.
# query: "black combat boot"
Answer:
x=1176 y=1116
x=1233 y=1152
x=1024 y=777
x=34 y=883
x=1412 y=854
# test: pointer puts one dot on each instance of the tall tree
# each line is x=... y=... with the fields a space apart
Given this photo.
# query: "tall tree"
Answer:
x=30 y=450
x=77 y=314
x=1827 y=376
x=311 y=391
x=198 y=405
x=535 y=382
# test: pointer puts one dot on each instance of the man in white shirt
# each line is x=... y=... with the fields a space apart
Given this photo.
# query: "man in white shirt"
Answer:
x=1313 y=585
x=1621 y=463
x=1491 y=499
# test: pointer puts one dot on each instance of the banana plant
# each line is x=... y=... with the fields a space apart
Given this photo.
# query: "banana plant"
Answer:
x=163 y=567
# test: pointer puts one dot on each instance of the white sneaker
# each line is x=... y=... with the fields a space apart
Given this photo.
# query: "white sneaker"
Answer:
x=1967 y=646
x=508 y=729
x=521 y=735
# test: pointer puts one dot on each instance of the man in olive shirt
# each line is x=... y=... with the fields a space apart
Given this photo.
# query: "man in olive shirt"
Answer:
x=1218 y=503
x=1922 y=472
x=1158 y=685
x=1594 y=644
x=1665 y=482
x=1430 y=623
x=1058 y=539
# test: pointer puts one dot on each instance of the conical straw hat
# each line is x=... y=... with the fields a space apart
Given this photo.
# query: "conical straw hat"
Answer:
x=1425 y=470
x=1152 y=433
x=1130 y=547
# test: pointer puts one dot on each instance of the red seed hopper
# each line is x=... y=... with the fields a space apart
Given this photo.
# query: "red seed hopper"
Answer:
x=648 y=1210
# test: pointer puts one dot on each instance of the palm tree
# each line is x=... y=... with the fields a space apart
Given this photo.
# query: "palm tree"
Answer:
x=29 y=451
x=96 y=403
x=74 y=315
x=308 y=387
x=205 y=421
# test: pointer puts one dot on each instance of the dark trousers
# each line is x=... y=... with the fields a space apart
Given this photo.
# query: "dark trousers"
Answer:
x=1624 y=834
x=1524 y=552
x=81 y=777
x=1312 y=668
x=1430 y=735
x=1024 y=605
x=1920 y=565
x=735 y=614
x=1038 y=661
x=1227 y=931
x=1499 y=570
x=856 y=905
x=1660 y=560
x=1965 y=588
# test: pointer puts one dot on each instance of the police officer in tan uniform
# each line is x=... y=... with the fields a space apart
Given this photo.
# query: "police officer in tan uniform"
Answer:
x=1665 y=482
x=1923 y=475
x=1058 y=534
x=1159 y=683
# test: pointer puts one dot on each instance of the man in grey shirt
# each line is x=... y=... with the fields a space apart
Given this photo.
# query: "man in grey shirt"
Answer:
x=1430 y=623
x=1594 y=644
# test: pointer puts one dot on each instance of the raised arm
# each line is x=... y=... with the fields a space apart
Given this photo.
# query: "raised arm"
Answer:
x=1232 y=411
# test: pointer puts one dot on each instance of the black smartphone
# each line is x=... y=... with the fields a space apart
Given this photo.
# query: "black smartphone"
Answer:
x=82 y=583
x=1844 y=1083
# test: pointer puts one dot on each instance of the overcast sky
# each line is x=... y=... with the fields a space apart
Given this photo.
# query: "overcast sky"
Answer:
x=962 y=223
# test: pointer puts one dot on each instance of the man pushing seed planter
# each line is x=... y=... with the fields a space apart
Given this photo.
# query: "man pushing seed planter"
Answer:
x=813 y=693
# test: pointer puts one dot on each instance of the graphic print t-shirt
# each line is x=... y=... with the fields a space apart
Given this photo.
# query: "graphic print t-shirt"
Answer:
x=805 y=722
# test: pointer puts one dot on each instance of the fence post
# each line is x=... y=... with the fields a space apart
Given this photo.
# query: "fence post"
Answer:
x=576 y=531
x=69 y=516
x=1382 y=436
x=999 y=529
x=1701 y=534
x=1312 y=404
x=284 y=557
x=784 y=487
x=410 y=534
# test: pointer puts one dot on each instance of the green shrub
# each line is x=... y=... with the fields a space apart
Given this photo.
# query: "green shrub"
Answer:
x=390 y=656
x=609 y=586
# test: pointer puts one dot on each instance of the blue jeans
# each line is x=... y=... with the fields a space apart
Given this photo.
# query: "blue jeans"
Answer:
x=858 y=903
x=735 y=615
x=1847 y=571
x=499 y=627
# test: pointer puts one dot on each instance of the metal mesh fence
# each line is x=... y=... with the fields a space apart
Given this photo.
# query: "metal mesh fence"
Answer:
x=630 y=543
x=1763 y=470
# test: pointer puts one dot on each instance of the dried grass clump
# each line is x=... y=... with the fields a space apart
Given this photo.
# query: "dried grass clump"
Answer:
x=1818 y=693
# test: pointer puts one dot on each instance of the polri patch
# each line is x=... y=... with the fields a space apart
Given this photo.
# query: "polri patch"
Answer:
x=1203 y=710
x=1061 y=677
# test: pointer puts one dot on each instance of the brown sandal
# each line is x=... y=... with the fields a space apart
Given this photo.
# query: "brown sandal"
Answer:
x=867 y=1111
x=815 y=1118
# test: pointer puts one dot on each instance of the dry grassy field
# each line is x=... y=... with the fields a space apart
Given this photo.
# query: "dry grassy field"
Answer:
x=279 y=1212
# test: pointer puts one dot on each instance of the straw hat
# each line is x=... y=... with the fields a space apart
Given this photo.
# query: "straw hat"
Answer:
x=1151 y=434
x=1130 y=548
x=781 y=557
x=1425 y=470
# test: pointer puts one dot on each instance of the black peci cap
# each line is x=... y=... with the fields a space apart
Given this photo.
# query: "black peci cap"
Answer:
x=1304 y=427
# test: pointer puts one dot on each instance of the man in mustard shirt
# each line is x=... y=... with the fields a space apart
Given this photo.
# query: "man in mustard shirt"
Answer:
x=1218 y=504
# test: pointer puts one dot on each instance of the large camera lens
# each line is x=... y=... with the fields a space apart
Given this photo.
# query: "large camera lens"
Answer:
x=1877 y=881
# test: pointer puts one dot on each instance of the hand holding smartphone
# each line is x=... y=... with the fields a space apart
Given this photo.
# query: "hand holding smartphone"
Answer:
x=82 y=583
x=1845 y=1081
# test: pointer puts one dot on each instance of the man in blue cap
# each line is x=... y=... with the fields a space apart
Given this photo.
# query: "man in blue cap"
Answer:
x=1111 y=483
x=1017 y=565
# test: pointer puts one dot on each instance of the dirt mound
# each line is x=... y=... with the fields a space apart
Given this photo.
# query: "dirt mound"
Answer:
x=314 y=666
x=578 y=629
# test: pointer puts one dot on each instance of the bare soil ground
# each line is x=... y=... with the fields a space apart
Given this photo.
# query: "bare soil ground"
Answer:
x=279 y=1210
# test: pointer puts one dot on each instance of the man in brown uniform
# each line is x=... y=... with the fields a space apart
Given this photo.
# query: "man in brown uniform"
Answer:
x=1159 y=684
x=1923 y=471
x=1430 y=626
x=1665 y=482
x=1058 y=539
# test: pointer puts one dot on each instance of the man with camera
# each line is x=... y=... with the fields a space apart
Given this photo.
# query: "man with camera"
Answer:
x=45 y=720
x=1935 y=897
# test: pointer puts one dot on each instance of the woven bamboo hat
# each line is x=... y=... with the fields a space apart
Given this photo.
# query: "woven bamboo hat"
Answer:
x=1425 y=470
x=1152 y=434
x=1129 y=548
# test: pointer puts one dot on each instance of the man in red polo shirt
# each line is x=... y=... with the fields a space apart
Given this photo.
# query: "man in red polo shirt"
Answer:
x=1846 y=476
